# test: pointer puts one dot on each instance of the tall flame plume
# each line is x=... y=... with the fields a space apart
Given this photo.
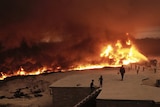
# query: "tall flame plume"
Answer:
x=122 y=55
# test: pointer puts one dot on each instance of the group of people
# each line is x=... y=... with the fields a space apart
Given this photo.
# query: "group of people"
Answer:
x=92 y=86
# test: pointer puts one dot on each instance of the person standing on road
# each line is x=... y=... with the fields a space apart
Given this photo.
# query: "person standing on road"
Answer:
x=122 y=72
x=92 y=86
x=100 y=81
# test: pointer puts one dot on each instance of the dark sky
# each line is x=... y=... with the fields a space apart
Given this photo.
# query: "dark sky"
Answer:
x=65 y=27
x=38 y=20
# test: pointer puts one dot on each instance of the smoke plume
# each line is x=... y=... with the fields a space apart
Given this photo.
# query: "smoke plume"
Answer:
x=64 y=33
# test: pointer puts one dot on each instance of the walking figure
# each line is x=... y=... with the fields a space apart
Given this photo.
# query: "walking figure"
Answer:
x=92 y=85
x=122 y=71
x=100 y=81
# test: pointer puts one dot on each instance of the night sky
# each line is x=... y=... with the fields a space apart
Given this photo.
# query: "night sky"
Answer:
x=65 y=32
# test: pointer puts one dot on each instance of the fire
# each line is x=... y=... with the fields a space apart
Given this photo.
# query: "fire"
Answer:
x=22 y=72
x=89 y=66
x=111 y=55
x=122 y=55
x=114 y=55
x=3 y=76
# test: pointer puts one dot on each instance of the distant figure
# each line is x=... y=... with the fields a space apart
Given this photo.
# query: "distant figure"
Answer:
x=143 y=68
x=155 y=70
x=100 y=81
x=135 y=67
x=138 y=69
x=92 y=85
x=122 y=71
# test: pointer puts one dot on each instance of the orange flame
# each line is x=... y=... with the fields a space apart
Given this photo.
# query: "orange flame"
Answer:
x=22 y=72
x=116 y=53
x=3 y=76
x=122 y=55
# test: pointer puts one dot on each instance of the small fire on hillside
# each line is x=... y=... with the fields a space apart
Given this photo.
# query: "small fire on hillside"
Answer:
x=22 y=72
x=111 y=55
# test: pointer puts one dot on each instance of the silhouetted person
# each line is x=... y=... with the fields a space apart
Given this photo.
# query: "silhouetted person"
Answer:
x=92 y=85
x=135 y=67
x=143 y=68
x=100 y=81
x=138 y=69
x=122 y=71
x=155 y=70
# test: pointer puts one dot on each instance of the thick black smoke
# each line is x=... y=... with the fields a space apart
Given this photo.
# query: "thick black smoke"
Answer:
x=65 y=32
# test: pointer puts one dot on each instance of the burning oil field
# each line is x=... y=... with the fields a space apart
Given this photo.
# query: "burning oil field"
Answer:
x=49 y=36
